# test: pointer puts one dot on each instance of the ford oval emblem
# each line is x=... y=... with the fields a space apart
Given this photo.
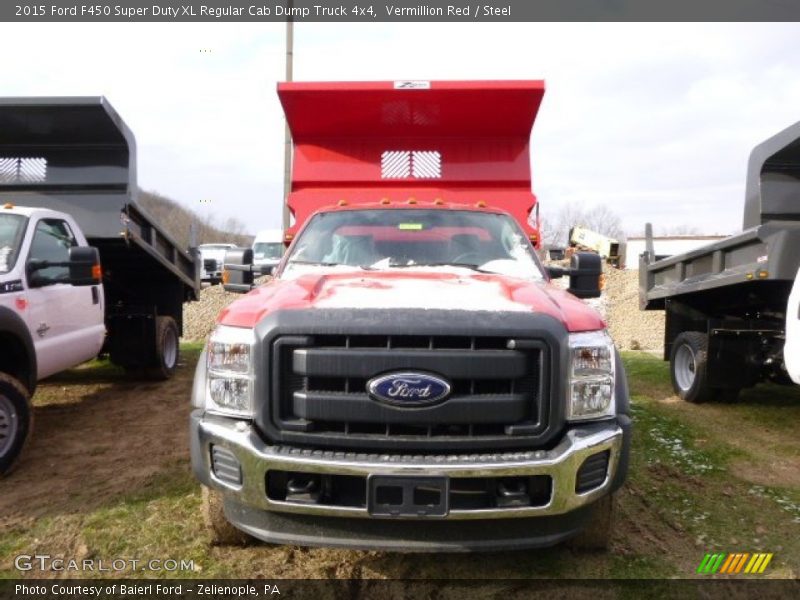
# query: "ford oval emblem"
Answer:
x=409 y=389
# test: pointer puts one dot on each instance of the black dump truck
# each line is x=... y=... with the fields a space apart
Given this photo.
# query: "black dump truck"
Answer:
x=77 y=156
x=726 y=303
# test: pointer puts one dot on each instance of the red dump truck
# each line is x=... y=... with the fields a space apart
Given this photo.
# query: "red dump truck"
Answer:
x=409 y=379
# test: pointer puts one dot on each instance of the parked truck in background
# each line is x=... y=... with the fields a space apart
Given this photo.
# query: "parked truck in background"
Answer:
x=410 y=380
x=212 y=257
x=83 y=269
x=731 y=314
x=268 y=248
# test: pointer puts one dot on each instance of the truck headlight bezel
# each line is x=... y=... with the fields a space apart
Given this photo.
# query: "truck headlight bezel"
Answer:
x=592 y=376
x=230 y=372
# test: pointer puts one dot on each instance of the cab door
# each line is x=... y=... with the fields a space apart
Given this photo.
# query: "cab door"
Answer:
x=66 y=321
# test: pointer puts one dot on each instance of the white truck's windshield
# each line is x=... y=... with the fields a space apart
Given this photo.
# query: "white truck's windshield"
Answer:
x=12 y=228
x=419 y=238
x=271 y=250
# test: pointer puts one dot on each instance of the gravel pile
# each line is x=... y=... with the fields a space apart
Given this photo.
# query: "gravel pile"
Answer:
x=631 y=328
x=199 y=317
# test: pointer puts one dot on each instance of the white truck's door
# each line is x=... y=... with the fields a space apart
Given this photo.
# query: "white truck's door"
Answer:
x=66 y=321
x=791 y=349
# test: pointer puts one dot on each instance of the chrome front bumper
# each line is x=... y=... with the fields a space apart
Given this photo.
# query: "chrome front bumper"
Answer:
x=257 y=458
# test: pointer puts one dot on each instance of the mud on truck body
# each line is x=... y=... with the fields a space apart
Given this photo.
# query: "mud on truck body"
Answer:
x=83 y=269
x=409 y=379
x=730 y=319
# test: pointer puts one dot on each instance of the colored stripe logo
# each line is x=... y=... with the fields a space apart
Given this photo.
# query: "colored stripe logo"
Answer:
x=735 y=563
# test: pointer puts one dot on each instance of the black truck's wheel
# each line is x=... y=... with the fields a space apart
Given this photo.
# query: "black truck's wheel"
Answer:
x=688 y=364
x=167 y=349
x=222 y=532
x=597 y=534
x=16 y=421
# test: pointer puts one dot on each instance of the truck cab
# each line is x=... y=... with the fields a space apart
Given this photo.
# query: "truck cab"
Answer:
x=51 y=314
x=212 y=257
x=410 y=379
x=268 y=248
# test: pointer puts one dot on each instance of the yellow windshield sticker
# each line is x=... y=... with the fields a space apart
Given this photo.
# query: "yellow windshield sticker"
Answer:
x=410 y=226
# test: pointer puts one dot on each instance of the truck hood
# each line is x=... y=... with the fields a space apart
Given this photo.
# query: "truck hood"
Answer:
x=394 y=290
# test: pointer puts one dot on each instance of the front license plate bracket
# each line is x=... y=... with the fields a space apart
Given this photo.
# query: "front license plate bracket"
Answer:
x=408 y=496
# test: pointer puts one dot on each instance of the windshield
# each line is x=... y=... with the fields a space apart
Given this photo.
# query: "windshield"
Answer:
x=268 y=250
x=420 y=238
x=12 y=228
x=216 y=247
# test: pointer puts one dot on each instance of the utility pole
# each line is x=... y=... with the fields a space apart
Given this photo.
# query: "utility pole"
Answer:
x=287 y=151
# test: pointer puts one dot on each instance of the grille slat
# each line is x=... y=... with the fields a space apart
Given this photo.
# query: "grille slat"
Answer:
x=498 y=390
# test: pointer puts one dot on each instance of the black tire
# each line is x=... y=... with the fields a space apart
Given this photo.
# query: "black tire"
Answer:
x=597 y=533
x=166 y=351
x=221 y=531
x=728 y=395
x=688 y=362
x=16 y=421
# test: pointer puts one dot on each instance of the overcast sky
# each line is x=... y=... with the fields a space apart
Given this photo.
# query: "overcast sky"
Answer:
x=656 y=120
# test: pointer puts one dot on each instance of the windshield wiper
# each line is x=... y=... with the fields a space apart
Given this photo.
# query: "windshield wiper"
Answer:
x=470 y=266
x=319 y=263
x=315 y=263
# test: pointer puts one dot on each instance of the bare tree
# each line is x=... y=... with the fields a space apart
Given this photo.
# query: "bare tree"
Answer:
x=602 y=219
x=178 y=221
x=683 y=229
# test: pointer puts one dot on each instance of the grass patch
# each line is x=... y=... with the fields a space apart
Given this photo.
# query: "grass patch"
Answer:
x=682 y=461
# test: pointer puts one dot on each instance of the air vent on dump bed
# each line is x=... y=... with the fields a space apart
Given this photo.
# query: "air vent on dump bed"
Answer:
x=22 y=170
x=419 y=164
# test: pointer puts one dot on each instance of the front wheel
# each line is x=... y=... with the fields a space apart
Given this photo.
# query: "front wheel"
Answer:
x=217 y=524
x=16 y=421
x=597 y=533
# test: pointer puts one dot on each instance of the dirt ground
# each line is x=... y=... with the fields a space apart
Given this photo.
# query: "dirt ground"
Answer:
x=96 y=436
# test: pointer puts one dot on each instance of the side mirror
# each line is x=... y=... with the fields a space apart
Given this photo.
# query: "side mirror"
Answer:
x=84 y=266
x=585 y=271
x=237 y=272
x=556 y=272
x=266 y=270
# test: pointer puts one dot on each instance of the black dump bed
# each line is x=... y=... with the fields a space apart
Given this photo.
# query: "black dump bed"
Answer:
x=759 y=263
x=76 y=155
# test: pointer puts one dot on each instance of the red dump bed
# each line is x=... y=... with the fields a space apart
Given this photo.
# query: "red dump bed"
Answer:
x=462 y=142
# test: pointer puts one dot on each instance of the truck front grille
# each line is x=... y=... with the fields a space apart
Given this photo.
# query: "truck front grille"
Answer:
x=499 y=391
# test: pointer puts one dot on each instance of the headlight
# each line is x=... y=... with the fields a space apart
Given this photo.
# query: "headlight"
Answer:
x=229 y=371
x=591 y=376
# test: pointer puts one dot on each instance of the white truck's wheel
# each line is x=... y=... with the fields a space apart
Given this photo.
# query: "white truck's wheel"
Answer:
x=167 y=350
x=16 y=421
x=688 y=363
